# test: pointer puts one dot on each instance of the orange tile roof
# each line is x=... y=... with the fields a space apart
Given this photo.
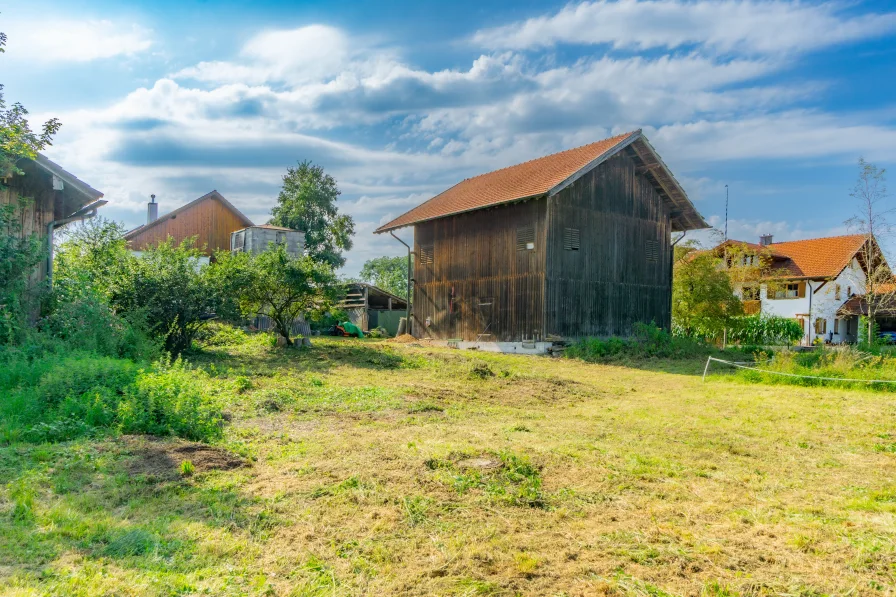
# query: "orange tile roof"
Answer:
x=811 y=258
x=820 y=257
x=530 y=179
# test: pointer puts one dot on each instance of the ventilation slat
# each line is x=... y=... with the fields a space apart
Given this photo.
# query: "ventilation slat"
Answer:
x=570 y=239
x=652 y=251
x=525 y=238
x=426 y=255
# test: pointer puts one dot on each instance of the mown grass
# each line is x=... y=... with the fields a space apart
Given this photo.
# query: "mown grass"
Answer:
x=375 y=468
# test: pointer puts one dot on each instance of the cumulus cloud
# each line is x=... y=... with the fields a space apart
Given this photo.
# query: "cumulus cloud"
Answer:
x=74 y=40
x=763 y=27
x=394 y=134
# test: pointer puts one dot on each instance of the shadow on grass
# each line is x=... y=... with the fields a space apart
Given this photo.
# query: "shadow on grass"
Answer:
x=86 y=499
x=324 y=354
x=690 y=365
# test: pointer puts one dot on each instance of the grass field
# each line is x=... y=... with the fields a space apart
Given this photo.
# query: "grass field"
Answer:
x=373 y=468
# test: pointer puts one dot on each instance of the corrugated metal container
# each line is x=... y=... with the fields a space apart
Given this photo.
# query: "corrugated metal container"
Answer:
x=257 y=239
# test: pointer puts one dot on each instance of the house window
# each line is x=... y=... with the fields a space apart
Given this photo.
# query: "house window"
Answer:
x=836 y=326
x=570 y=239
x=281 y=238
x=836 y=292
x=426 y=255
x=525 y=238
x=821 y=326
x=788 y=291
x=749 y=260
x=848 y=291
x=652 y=251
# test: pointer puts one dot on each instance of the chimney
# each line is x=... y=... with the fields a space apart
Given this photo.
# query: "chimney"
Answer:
x=152 y=210
x=765 y=240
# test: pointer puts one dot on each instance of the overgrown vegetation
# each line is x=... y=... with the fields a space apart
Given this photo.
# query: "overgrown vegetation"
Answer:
x=372 y=467
x=646 y=341
x=855 y=367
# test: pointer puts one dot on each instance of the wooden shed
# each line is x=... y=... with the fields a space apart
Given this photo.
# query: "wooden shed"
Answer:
x=573 y=244
x=52 y=195
x=210 y=218
x=370 y=307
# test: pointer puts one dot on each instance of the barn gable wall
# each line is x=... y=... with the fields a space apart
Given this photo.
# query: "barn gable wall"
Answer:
x=620 y=273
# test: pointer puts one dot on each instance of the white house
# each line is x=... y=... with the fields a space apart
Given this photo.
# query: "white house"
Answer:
x=807 y=280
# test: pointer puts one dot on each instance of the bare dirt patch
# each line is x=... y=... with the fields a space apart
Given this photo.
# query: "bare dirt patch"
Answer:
x=162 y=457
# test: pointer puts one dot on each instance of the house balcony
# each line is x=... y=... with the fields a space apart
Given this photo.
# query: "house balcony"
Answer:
x=752 y=307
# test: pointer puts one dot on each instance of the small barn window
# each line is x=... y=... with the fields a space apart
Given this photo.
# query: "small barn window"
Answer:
x=426 y=255
x=570 y=239
x=525 y=238
x=652 y=251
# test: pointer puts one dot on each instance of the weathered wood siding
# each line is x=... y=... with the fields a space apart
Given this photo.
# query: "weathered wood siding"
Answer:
x=210 y=221
x=478 y=281
x=621 y=273
x=41 y=206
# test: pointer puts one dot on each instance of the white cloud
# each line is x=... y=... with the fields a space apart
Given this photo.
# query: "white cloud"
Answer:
x=74 y=40
x=765 y=27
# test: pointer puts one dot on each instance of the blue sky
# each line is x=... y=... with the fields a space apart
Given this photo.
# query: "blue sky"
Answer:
x=401 y=100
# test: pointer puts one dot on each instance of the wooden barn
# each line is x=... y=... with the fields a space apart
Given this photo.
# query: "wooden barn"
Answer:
x=211 y=219
x=53 y=198
x=573 y=244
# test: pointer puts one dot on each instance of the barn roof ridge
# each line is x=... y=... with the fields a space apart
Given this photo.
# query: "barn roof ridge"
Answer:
x=213 y=194
x=546 y=176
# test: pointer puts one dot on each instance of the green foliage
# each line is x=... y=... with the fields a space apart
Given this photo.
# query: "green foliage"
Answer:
x=52 y=398
x=17 y=140
x=169 y=289
x=307 y=202
x=647 y=341
x=856 y=368
x=703 y=301
x=277 y=285
x=874 y=341
x=388 y=273
x=220 y=334
x=19 y=255
x=187 y=468
x=764 y=330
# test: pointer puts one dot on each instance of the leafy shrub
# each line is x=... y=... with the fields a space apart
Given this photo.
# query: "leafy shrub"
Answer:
x=51 y=398
x=170 y=399
x=647 y=341
x=220 y=334
x=19 y=255
x=765 y=329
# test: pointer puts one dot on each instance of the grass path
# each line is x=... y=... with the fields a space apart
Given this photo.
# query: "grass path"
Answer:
x=381 y=469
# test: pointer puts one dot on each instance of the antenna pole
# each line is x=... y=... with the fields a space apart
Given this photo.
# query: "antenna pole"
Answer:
x=726 y=212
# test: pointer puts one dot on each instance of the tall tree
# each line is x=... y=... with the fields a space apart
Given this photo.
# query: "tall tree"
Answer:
x=388 y=273
x=872 y=221
x=307 y=202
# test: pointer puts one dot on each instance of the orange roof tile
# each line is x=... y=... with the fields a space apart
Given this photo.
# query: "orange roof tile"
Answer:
x=820 y=257
x=530 y=179
x=811 y=258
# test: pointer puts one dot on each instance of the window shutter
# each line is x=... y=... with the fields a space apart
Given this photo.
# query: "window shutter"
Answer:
x=525 y=238
x=801 y=290
x=652 y=251
x=570 y=239
x=426 y=255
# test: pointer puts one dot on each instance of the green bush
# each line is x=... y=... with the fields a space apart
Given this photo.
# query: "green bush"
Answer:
x=220 y=334
x=647 y=341
x=171 y=399
x=49 y=398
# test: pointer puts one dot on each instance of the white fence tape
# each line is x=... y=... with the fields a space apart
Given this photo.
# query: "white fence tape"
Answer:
x=742 y=365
